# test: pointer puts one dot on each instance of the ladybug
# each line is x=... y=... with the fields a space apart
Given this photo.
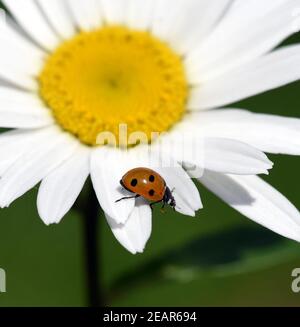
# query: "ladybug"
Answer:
x=147 y=183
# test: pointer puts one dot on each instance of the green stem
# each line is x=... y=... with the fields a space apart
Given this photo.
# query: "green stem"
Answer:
x=91 y=219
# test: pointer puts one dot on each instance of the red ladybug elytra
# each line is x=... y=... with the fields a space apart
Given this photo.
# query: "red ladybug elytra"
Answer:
x=147 y=183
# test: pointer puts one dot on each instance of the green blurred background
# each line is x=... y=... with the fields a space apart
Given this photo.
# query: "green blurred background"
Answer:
x=218 y=258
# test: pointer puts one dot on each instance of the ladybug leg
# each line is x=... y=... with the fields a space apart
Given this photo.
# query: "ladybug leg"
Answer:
x=128 y=197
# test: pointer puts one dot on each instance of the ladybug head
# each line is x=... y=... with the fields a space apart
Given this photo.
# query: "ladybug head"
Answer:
x=169 y=198
x=172 y=202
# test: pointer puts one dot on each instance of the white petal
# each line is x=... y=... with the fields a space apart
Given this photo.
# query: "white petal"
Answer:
x=234 y=157
x=140 y=14
x=197 y=19
x=158 y=159
x=180 y=182
x=87 y=13
x=59 y=190
x=48 y=151
x=14 y=75
x=273 y=134
x=27 y=13
x=189 y=145
x=276 y=69
x=20 y=109
x=59 y=16
x=107 y=169
x=135 y=233
x=14 y=144
x=252 y=9
x=246 y=33
x=257 y=200
x=11 y=34
x=12 y=95
x=17 y=116
x=16 y=78
x=165 y=14
x=114 y=12
x=182 y=206
x=20 y=60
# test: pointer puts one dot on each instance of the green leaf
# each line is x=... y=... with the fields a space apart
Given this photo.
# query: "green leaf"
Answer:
x=239 y=251
x=241 y=254
x=236 y=251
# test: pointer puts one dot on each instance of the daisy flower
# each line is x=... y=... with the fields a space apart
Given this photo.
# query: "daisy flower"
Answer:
x=73 y=69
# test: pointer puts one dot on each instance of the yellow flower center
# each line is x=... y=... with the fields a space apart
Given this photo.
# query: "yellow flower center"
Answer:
x=111 y=76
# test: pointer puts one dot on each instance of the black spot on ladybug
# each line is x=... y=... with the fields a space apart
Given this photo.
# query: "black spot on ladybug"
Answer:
x=151 y=192
x=134 y=182
x=151 y=178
